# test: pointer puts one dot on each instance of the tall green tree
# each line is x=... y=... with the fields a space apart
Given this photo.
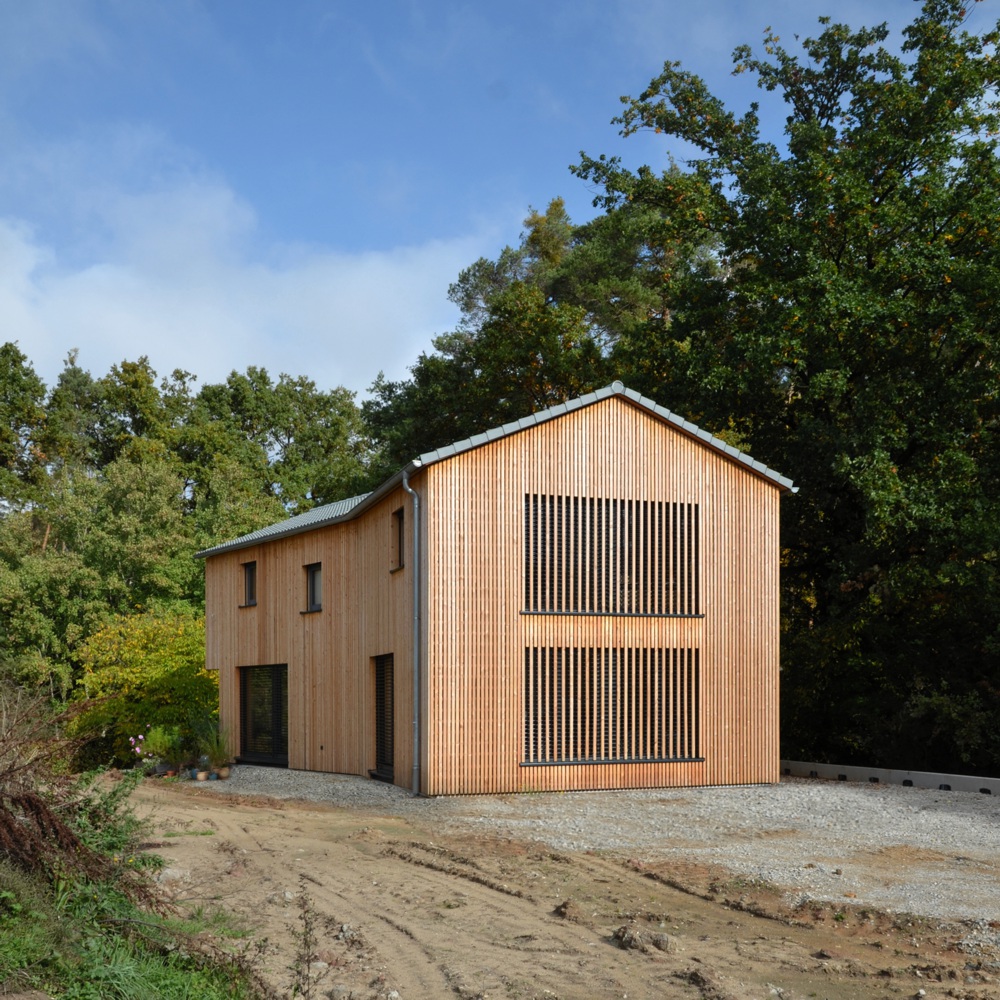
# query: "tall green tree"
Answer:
x=70 y=436
x=517 y=348
x=309 y=444
x=849 y=336
x=22 y=419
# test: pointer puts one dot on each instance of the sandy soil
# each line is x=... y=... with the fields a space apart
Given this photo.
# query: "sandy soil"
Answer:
x=350 y=904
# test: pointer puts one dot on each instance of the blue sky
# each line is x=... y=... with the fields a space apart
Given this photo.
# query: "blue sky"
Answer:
x=295 y=185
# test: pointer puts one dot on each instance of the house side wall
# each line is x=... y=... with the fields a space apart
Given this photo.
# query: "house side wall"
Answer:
x=366 y=612
x=477 y=635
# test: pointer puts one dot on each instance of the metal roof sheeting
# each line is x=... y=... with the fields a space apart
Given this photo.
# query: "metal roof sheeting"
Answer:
x=294 y=525
x=344 y=510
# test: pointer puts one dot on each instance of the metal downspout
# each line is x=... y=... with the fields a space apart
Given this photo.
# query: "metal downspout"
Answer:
x=416 y=629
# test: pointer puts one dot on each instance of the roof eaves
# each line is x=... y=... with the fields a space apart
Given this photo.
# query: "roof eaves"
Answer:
x=337 y=513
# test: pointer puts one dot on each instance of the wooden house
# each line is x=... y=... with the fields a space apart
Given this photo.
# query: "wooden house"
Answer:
x=586 y=598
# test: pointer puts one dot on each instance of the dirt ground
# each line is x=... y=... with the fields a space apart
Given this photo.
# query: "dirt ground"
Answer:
x=349 y=904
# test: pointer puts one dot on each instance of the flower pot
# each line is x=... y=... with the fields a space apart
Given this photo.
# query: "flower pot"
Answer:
x=223 y=773
x=201 y=775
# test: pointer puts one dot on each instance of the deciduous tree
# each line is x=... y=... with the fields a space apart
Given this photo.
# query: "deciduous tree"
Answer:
x=850 y=337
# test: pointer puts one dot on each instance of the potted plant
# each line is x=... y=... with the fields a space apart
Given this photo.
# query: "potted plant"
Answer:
x=217 y=747
x=163 y=742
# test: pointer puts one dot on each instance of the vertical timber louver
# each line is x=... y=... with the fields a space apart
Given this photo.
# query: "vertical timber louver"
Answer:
x=609 y=705
x=384 y=719
x=611 y=557
x=599 y=556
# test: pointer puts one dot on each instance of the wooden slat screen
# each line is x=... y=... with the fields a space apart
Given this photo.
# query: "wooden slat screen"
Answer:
x=593 y=555
x=385 y=754
x=609 y=705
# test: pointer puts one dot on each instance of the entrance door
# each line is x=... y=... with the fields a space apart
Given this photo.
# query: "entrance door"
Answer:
x=264 y=715
x=383 y=718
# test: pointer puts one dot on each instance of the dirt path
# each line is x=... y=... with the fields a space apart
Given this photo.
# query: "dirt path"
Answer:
x=406 y=913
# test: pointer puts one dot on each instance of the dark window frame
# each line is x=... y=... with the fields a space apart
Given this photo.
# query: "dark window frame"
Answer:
x=314 y=588
x=249 y=584
x=397 y=542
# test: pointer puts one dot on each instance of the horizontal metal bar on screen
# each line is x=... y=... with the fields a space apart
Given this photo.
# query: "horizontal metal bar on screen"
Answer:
x=604 y=762
x=604 y=614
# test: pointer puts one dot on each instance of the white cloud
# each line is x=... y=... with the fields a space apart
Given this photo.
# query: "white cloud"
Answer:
x=183 y=280
x=36 y=35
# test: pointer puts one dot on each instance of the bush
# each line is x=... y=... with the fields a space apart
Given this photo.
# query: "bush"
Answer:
x=147 y=670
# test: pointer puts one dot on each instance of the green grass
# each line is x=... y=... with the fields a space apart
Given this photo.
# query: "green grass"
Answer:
x=89 y=942
x=80 y=940
x=78 y=913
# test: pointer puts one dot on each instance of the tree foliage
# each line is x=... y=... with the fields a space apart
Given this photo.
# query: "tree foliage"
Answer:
x=111 y=484
x=21 y=415
x=850 y=337
x=147 y=670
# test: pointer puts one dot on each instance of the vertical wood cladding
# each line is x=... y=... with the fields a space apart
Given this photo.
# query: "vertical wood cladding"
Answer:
x=600 y=610
x=364 y=613
x=613 y=534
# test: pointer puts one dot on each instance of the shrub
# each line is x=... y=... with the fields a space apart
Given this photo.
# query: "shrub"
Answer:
x=147 y=670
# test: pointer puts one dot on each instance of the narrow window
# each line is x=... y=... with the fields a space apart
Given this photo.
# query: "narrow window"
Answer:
x=396 y=547
x=314 y=587
x=384 y=719
x=249 y=584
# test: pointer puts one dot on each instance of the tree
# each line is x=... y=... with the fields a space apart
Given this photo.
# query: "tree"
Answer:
x=849 y=337
x=22 y=418
x=517 y=349
x=311 y=443
x=71 y=419
x=128 y=525
x=147 y=670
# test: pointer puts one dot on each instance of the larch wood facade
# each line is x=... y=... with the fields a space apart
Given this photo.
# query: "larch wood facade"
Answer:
x=597 y=608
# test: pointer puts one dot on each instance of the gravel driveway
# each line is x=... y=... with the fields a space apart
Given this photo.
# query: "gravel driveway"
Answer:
x=901 y=849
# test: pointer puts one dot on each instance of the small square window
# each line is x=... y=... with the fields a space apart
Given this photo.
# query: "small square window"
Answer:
x=249 y=584
x=314 y=587
x=397 y=547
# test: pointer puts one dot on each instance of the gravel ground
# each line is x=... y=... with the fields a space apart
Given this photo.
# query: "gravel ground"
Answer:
x=913 y=850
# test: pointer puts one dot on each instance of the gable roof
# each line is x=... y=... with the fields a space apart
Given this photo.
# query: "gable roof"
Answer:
x=345 y=510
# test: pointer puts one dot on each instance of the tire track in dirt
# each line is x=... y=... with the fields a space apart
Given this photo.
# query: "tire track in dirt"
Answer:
x=426 y=915
x=443 y=900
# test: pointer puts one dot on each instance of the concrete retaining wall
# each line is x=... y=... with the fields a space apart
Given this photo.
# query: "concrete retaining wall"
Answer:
x=918 y=779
